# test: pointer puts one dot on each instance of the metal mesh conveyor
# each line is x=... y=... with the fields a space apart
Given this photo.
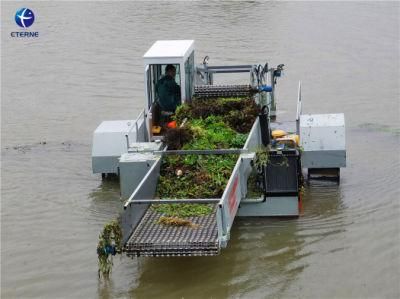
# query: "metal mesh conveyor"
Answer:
x=213 y=91
x=153 y=239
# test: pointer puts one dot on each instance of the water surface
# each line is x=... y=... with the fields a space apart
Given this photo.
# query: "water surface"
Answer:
x=86 y=67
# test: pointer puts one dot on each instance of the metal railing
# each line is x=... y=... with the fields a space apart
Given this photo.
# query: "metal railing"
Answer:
x=299 y=108
x=136 y=126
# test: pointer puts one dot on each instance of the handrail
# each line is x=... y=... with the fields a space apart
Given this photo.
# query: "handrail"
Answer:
x=152 y=169
x=202 y=152
x=299 y=108
x=171 y=200
x=136 y=126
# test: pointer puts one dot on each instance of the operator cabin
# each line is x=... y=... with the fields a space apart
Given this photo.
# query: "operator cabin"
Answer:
x=166 y=86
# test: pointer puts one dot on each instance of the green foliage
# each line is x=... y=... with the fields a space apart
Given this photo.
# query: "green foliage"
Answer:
x=262 y=157
x=202 y=176
x=213 y=124
x=254 y=189
x=284 y=162
x=213 y=133
x=111 y=236
x=182 y=112
x=183 y=210
x=237 y=113
x=239 y=140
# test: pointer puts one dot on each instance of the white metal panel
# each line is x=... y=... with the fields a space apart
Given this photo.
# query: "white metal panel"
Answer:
x=322 y=120
x=170 y=49
x=273 y=206
x=109 y=138
x=323 y=159
x=322 y=132
x=135 y=157
x=145 y=146
x=111 y=144
x=114 y=126
x=230 y=200
x=132 y=169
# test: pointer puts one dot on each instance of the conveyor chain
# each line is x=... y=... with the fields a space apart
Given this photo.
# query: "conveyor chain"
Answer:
x=213 y=91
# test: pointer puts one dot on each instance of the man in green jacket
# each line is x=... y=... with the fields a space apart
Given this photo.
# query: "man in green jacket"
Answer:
x=169 y=93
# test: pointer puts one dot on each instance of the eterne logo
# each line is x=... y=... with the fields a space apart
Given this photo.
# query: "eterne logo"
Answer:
x=24 y=17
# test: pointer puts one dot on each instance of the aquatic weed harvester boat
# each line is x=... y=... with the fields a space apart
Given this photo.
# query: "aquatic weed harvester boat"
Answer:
x=221 y=156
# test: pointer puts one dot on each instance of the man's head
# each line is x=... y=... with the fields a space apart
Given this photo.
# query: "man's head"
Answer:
x=170 y=70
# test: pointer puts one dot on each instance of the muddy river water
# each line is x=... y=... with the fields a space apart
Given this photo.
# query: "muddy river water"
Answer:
x=86 y=67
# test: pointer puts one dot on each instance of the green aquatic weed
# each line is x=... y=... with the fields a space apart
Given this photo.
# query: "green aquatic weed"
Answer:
x=202 y=176
x=110 y=242
x=221 y=123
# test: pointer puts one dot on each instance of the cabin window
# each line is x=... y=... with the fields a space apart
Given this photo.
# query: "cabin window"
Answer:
x=154 y=73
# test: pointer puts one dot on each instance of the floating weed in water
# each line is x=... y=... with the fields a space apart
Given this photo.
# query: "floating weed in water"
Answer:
x=380 y=128
x=110 y=243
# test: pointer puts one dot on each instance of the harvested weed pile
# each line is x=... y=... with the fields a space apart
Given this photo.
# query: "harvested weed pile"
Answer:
x=237 y=113
x=193 y=176
x=176 y=221
x=177 y=137
x=213 y=133
x=202 y=134
x=211 y=124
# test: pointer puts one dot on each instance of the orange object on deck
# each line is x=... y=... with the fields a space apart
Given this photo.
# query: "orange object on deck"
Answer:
x=172 y=124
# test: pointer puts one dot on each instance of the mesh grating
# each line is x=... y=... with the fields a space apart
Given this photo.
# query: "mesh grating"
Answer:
x=153 y=239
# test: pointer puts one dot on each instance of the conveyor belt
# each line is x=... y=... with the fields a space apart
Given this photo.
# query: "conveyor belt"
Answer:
x=153 y=239
x=213 y=91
